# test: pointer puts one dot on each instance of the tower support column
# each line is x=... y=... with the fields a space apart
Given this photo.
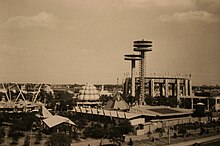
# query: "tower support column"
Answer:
x=132 y=58
x=189 y=87
x=151 y=87
x=186 y=87
x=192 y=103
x=173 y=90
x=177 y=88
x=161 y=89
x=133 y=78
x=166 y=88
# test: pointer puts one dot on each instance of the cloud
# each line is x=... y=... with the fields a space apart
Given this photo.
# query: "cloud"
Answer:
x=190 y=16
x=208 y=5
x=172 y=3
x=43 y=19
x=85 y=50
x=12 y=51
x=154 y=3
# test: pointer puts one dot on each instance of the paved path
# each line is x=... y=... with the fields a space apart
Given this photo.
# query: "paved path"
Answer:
x=201 y=140
x=86 y=143
x=186 y=143
x=94 y=142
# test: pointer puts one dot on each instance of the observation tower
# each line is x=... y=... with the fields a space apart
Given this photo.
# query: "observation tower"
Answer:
x=132 y=58
x=142 y=46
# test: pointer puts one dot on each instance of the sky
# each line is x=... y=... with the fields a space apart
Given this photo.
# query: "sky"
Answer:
x=79 y=41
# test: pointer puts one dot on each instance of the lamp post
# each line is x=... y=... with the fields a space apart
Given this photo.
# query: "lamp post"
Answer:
x=168 y=134
x=67 y=107
x=31 y=133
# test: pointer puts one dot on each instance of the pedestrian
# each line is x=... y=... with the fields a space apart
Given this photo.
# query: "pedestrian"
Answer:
x=130 y=143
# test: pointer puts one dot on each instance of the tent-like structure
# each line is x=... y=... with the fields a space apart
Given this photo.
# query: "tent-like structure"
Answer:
x=57 y=120
x=117 y=104
x=88 y=93
x=45 y=112
x=104 y=92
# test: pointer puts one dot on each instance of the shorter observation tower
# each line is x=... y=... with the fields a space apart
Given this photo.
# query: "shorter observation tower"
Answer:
x=142 y=46
x=132 y=58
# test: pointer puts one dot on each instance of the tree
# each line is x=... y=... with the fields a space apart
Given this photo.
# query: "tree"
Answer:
x=202 y=130
x=182 y=131
x=130 y=143
x=160 y=131
x=15 y=137
x=174 y=135
x=131 y=100
x=185 y=103
x=81 y=122
x=172 y=101
x=94 y=131
x=27 y=141
x=149 y=100
x=125 y=127
x=63 y=98
x=38 y=137
x=58 y=139
x=162 y=100
x=116 y=132
x=114 y=135
x=23 y=121
x=2 y=135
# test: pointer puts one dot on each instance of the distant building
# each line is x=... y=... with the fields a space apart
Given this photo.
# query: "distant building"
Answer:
x=212 y=103
x=161 y=86
x=104 y=92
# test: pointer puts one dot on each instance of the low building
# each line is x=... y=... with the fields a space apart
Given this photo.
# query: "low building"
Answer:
x=58 y=123
x=212 y=103
x=117 y=103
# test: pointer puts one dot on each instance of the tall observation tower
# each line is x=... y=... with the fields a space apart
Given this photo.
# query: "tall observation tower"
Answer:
x=142 y=46
x=132 y=58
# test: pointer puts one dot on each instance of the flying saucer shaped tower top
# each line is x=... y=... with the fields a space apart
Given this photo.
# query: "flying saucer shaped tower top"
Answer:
x=132 y=58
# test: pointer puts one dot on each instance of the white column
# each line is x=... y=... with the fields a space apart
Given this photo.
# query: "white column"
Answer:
x=166 y=88
x=190 y=87
x=152 y=87
x=186 y=87
x=177 y=88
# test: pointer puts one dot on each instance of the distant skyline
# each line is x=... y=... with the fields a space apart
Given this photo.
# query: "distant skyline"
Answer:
x=80 y=41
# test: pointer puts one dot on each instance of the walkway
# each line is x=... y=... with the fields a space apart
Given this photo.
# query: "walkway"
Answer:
x=200 y=140
x=137 y=141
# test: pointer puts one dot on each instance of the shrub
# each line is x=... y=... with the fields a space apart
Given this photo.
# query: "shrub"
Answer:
x=182 y=132
x=94 y=131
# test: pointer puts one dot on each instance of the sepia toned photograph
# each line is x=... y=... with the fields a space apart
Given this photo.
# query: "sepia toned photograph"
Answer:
x=109 y=72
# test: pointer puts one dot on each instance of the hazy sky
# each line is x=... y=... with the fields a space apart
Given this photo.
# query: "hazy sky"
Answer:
x=78 y=41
